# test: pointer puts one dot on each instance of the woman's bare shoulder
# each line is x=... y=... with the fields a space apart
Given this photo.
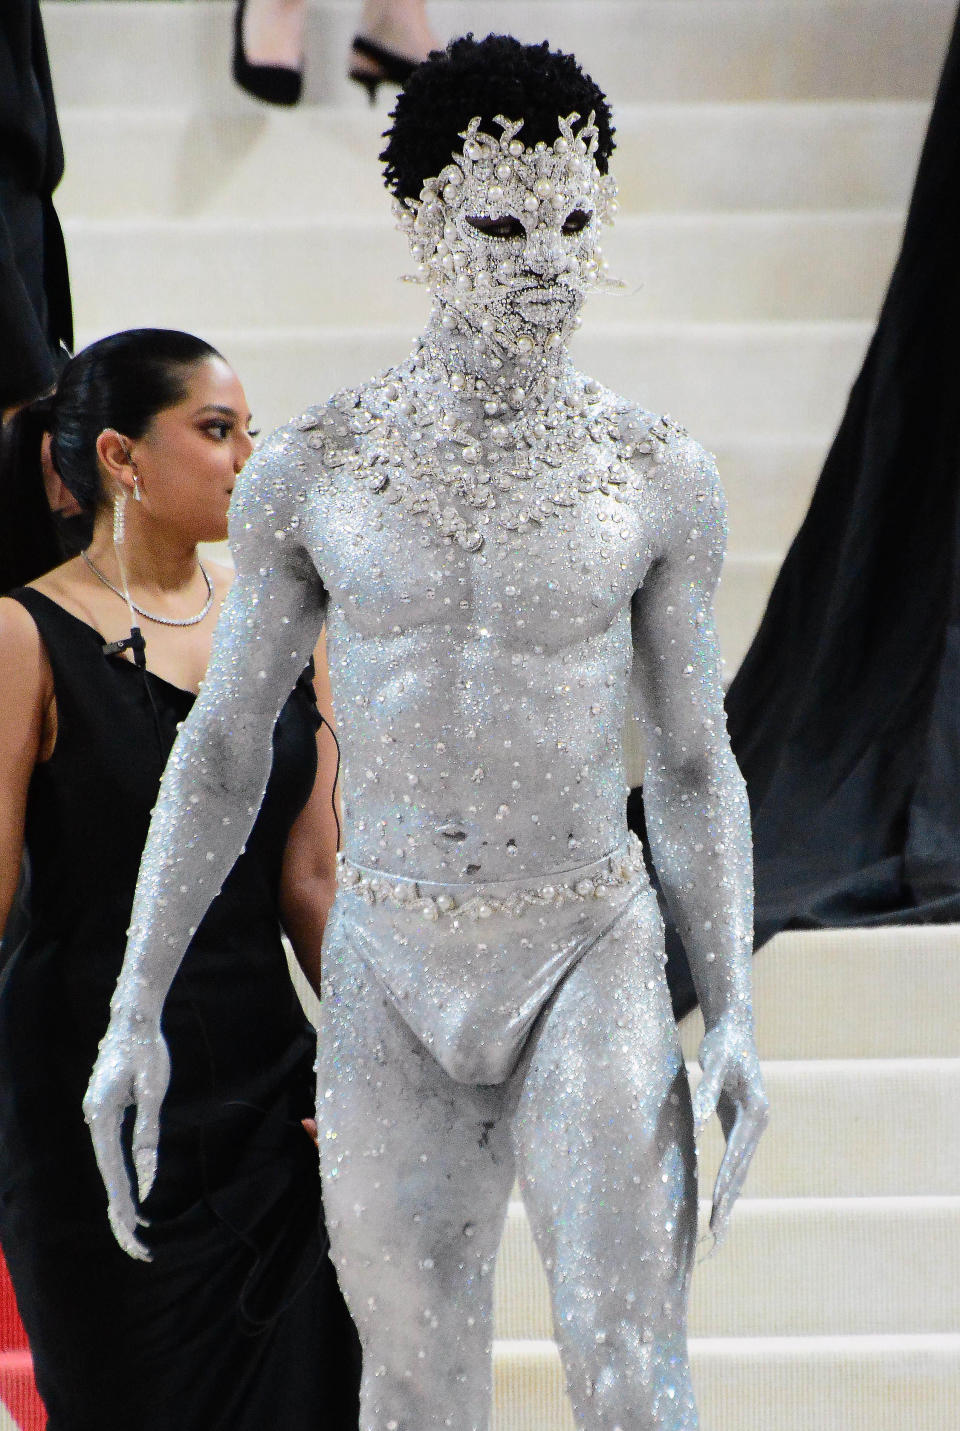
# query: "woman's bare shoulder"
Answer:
x=27 y=683
x=23 y=658
x=17 y=627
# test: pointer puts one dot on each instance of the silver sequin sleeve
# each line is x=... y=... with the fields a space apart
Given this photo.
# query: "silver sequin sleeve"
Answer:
x=698 y=819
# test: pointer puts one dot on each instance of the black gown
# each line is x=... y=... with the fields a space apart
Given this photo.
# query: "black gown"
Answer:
x=35 y=310
x=845 y=715
x=238 y=1324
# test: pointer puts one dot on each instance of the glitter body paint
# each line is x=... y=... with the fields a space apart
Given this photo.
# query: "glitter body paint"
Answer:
x=509 y=559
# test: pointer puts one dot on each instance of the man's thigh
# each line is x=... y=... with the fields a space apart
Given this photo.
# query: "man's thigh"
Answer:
x=604 y=1135
x=417 y=1168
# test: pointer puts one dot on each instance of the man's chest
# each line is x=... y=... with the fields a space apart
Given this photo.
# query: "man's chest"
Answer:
x=527 y=568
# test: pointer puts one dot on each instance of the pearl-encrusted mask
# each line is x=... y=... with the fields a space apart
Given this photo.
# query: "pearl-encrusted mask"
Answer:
x=507 y=237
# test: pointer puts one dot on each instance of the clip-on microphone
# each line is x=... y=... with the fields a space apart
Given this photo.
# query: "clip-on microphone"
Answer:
x=134 y=642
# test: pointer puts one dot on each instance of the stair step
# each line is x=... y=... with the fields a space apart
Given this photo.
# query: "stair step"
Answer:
x=660 y=49
x=824 y=155
x=169 y=163
x=739 y=604
x=724 y=381
x=857 y=1383
x=843 y=1266
x=768 y=483
x=339 y=270
x=853 y=1128
x=864 y=993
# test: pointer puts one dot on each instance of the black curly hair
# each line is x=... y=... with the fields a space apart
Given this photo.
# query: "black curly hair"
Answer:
x=498 y=75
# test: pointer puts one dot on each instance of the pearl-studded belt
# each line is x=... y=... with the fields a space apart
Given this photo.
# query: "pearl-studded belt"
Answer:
x=511 y=897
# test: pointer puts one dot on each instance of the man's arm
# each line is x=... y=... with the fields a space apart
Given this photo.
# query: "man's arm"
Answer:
x=209 y=797
x=695 y=802
x=694 y=796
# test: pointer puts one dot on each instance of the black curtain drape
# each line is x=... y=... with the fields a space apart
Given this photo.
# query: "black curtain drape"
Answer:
x=845 y=715
x=35 y=311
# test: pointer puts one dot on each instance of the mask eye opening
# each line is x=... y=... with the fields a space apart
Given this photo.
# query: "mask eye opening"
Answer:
x=576 y=221
x=499 y=226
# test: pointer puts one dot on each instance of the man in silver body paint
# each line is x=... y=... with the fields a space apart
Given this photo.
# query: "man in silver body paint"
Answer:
x=503 y=552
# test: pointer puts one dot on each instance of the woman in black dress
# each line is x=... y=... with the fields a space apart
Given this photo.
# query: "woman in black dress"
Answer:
x=237 y=1324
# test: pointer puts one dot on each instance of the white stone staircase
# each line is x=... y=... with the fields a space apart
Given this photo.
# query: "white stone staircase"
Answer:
x=766 y=153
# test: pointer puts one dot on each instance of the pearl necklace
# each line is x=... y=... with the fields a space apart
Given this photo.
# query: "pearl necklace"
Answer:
x=160 y=620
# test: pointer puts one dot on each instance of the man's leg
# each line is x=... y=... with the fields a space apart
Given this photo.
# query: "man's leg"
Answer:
x=417 y=1174
x=604 y=1139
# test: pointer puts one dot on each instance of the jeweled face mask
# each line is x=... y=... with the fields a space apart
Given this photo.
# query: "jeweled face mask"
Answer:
x=507 y=237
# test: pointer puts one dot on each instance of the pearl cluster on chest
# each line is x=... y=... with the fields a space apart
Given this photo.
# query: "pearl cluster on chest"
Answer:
x=398 y=444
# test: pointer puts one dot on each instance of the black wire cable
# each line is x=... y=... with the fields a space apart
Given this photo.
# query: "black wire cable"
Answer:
x=336 y=778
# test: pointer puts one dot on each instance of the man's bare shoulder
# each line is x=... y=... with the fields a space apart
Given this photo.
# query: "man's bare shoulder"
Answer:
x=331 y=430
x=660 y=449
x=294 y=455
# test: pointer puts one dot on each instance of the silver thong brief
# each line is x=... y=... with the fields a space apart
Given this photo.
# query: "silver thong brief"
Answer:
x=469 y=967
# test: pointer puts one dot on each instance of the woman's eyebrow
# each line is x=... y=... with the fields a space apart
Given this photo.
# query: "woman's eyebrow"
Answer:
x=222 y=411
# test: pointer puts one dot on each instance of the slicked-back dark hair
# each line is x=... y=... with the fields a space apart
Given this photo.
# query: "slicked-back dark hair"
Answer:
x=498 y=75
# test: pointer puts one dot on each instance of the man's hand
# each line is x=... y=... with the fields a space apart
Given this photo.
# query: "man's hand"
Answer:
x=132 y=1071
x=731 y=1085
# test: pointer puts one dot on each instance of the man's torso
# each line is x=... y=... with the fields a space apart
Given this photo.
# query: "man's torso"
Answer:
x=479 y=631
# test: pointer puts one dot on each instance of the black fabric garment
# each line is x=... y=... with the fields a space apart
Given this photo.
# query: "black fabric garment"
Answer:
x=238 y=1323
x=33 y=539
x=683 y=996
x=35 y=309
x=845 y=714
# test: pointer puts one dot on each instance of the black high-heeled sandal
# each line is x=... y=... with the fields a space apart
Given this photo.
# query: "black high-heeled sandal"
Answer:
x=274 y=84
x=394 y=68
